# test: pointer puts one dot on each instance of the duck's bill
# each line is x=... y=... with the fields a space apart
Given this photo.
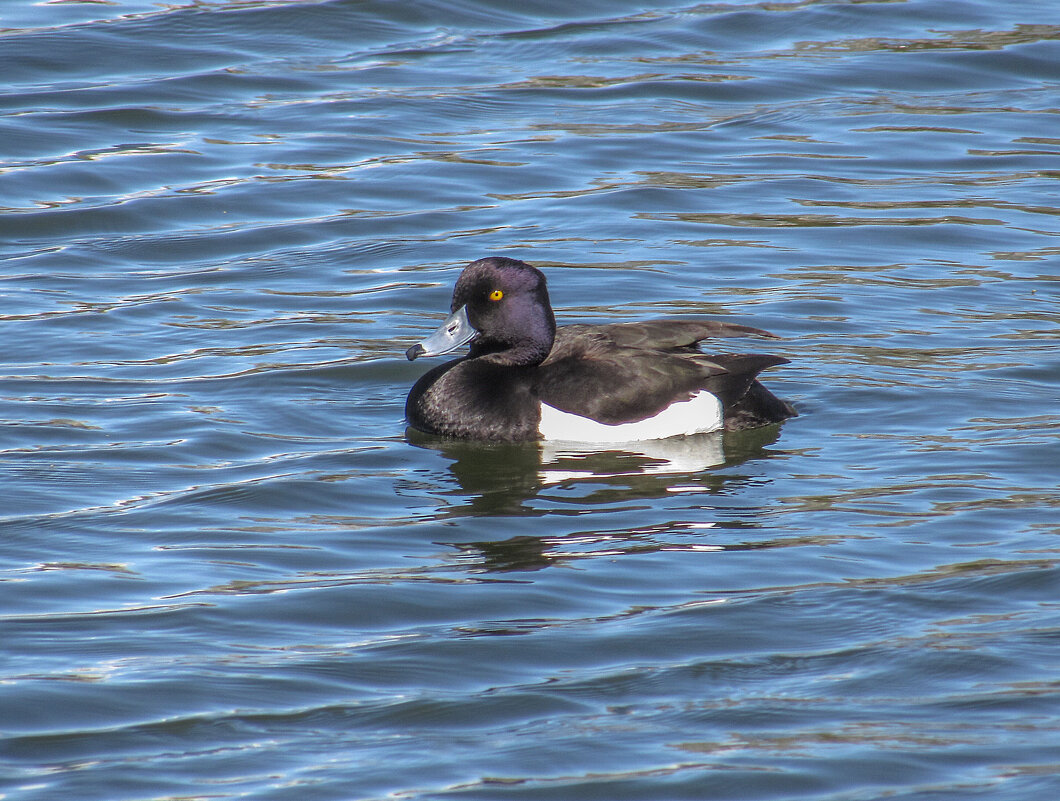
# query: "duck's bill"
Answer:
x=453 y=333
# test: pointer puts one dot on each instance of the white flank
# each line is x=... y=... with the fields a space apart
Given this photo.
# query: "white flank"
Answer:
x=697 y=415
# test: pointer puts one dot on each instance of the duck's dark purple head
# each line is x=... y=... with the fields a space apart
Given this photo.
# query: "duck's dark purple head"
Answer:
x=501 y=307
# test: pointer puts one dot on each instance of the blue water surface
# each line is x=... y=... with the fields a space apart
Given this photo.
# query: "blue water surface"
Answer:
x=227 y=570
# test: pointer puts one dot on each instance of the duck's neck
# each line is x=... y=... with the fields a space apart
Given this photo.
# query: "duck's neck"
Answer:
x=524 y=353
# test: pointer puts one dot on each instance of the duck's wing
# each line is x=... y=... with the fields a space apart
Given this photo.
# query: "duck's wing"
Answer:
x=597 y=371
x=618 y=385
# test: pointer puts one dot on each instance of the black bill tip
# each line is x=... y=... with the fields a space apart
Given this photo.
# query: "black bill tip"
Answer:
x=414 y=351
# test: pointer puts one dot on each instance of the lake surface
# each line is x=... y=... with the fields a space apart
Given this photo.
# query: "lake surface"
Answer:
x=226 y=571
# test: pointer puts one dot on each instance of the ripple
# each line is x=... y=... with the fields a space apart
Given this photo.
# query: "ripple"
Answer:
x=226 y=568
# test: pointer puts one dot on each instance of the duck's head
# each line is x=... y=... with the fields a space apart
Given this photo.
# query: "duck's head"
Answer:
x=501 y=307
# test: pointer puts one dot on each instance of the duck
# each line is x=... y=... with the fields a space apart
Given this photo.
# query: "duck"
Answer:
x=525 y=379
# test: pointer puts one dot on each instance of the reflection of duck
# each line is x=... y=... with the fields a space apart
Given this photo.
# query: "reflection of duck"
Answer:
x=535 y=479
x=539 y=497
x=524 y=379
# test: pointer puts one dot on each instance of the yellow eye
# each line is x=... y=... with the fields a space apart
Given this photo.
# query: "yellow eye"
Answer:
x=496 y=294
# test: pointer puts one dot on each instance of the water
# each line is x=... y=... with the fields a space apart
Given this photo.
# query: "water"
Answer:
x=225 y=569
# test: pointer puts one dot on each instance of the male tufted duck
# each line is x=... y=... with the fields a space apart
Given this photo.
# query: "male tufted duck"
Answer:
x=526 y=379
